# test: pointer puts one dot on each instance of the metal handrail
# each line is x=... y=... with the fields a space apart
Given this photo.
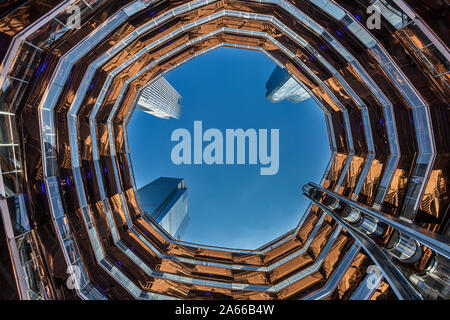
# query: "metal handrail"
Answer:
x=438 y=243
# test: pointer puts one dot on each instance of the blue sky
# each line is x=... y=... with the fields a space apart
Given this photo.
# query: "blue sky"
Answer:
x=233 y=205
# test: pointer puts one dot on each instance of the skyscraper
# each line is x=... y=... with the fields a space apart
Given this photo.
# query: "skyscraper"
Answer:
x=68 y=199
x=281 y=86
x=161 y=100
x=166 y=201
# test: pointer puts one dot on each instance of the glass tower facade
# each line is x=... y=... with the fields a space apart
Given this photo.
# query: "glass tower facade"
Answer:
x=166 y=201
x=161 y=100
x=69 y=201
x=281 y=86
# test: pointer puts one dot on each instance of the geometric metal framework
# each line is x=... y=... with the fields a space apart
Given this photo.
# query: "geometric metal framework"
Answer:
x=68 y=197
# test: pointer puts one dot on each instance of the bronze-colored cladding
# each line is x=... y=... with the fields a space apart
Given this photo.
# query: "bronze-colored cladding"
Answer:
x=431 y=205
x=24 y=16
x=351 y=278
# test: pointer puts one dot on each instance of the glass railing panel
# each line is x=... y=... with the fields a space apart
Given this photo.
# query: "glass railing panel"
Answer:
x=63 y=226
